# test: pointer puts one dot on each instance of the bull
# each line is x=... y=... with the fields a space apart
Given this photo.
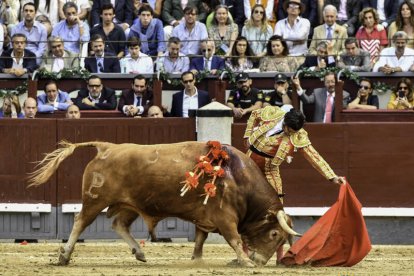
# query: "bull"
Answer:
x=144 y=180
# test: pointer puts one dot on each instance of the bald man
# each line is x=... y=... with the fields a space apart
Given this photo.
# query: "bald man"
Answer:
x=155 y=112
x=73 y=112
x=30 y=108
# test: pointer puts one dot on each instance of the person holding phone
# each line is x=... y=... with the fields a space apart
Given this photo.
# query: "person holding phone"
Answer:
x=402 y=96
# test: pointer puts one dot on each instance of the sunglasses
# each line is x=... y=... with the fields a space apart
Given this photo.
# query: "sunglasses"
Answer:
x=403 y=88
x=191 y=13
x=258 y=12
x=364 y=87
x=206 y=50
x=188 y=81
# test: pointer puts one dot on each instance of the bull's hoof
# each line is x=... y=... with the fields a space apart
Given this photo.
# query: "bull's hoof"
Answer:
x=62 y=260
x=140 y=257
x=247 y=263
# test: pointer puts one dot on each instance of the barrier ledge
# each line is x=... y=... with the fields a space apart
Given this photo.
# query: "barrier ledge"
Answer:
x=25 y=207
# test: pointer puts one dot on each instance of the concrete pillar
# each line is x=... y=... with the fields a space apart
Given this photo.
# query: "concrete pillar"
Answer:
x=214 y=123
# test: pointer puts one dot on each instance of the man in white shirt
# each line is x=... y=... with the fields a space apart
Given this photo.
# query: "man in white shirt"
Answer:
x=398 y=58
x=136 y=62
x=294 y=29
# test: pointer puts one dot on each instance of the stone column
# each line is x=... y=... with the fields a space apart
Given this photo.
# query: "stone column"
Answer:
x=214 y=123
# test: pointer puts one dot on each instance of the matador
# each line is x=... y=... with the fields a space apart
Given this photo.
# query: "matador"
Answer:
x=273 y=135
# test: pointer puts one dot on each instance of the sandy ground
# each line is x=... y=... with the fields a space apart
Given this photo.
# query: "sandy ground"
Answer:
x=113 y=258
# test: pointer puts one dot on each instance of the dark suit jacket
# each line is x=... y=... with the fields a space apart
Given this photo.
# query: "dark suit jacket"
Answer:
x=107 y=101
x=310 y=11
x=177 y=102
x=198 y=63
x=390 y=8
x=128 y=97
x=123 y=11
x=311 y=61
x=111 y=64
x=353 y=7
x=29 y=60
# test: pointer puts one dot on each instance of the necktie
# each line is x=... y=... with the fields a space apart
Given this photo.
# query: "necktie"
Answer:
x=138 y=101
x=328 y=109
x=329 y=35
x=100 y=67
x=206 y=64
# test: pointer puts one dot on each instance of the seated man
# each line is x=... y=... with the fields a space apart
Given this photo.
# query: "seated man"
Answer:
x=282 y=95
x=136 y=101
x=114 y=35
x=323 y=59
x=72 y=30
x=209 y=62
x=355 y=59
x=101 y=61
x=173 y=61
x=245 y=98
x=150 y=31
x=30 y=108
x=365 y=99
x=53 y=99
x=398 y=58
x=18 y=61
x=57 y=57
x=323 y=98
x=96 y=96
x=136 y=62
x=190 y=98
x=123 y=12
x=73 y=112
x=155 y=112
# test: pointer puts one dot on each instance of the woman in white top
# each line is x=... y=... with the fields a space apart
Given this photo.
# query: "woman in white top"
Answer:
x=257 y=30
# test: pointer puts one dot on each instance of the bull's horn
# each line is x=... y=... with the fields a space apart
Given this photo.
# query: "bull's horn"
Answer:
x=282 y=221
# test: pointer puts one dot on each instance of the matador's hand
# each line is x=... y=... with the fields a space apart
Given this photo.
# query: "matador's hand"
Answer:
x=340 y=180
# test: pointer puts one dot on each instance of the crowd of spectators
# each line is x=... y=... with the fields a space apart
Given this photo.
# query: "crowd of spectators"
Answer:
x=189 y=36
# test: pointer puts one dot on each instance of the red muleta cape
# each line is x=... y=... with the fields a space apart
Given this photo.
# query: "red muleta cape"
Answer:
x=338 y=238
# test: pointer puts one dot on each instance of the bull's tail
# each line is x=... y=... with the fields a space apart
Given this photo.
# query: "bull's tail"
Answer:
x=52 y=160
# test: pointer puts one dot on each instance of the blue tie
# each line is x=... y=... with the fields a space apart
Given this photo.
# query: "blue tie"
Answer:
x=139 y=101
x=100 y=67
x=329 y=35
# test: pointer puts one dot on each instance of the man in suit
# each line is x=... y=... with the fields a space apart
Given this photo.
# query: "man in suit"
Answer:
x=57 y=58
x=137 y=100
x=348 y=12
x=323 y=98
x=331 y=32
x=18 y=60
x=53 y=99
x=190 y=98
x=123 y=12
x=355 y=59
x=209 y=62
x=321 y=60
x=387 y=12
x=101 y=61
x=96 y=96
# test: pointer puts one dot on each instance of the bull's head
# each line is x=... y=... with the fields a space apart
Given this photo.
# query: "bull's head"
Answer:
x=266 y=236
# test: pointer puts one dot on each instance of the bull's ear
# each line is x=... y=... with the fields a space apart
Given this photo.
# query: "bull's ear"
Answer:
x=271 y=216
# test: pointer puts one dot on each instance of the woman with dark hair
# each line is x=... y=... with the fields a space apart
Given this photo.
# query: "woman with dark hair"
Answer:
x=277 y=56
x=364 y=99
x=11 y=107
x=371 y=35
x=257 y=30
x=241 y=54
x=402 y=96
x=404 y=22
x=223 y=31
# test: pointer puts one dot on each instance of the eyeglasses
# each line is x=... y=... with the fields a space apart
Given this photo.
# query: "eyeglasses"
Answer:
x=188 y=81
x=207 y=50
x=258 y=12
x=293 y=6
x=403 y=88
x=364 y=87
x=191 y=13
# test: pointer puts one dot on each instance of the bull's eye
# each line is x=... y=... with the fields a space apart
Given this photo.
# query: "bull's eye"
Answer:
x=273 y=234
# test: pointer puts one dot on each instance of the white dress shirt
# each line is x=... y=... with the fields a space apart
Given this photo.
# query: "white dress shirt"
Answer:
x=387 y=56
x=299 y=31
x=190 y=102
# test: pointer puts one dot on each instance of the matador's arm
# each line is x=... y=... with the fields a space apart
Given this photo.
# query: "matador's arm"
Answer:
x=318 y=162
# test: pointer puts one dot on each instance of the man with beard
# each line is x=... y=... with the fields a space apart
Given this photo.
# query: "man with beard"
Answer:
x=96 y=96
x=396 y=59
x=101 y=61
x=245 y=98
x=136 y=101
x=282 y=95
x=323 y=98
x=53 y=99
x=173 y=61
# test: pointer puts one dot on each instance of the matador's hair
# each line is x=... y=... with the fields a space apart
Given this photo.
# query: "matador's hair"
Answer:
x=294 y=119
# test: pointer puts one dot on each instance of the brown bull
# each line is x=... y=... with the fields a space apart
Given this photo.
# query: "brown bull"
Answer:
x=145 y=180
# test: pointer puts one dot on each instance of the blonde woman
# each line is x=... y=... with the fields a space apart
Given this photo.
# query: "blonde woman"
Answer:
x=257 y=30
x=11 y=107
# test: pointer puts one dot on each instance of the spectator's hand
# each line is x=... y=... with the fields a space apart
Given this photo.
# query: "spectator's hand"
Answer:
x=8 y=70
x=69 y=102
x=329 y=46
x=321 y=64
x=124 y=26
x=386 y=69
x=213 y=72
x=87 y=102
x=132 y=110
x=238 y=112
x=296 y=82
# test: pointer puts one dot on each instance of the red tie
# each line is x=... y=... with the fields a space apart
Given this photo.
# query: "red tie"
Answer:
x=328 y=109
